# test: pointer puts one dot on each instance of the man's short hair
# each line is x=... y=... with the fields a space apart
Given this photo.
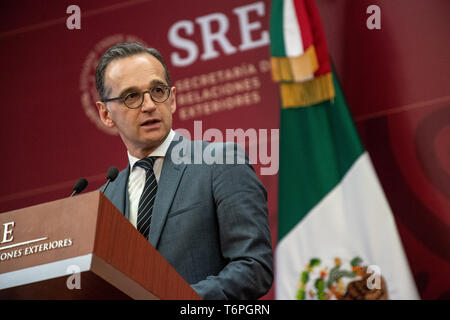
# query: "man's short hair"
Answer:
x=123 y=50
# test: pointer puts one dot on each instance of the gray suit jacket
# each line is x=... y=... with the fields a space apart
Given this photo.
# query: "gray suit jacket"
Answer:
x=210 y=221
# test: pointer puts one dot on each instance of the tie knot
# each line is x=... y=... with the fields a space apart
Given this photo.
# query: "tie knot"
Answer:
x=146 y=163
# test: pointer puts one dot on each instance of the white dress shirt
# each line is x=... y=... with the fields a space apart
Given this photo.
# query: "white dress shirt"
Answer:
x=136 y=180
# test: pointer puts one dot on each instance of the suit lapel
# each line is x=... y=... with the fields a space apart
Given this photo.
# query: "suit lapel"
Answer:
x=167 y=186
x=127 y=196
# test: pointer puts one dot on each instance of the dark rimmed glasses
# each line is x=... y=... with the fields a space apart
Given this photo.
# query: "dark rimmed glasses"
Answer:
x=135 y=99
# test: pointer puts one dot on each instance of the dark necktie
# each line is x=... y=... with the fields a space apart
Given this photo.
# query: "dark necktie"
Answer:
x=147 y=197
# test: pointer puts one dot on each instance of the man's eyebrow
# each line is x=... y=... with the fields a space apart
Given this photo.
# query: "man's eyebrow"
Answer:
x=157 y=82
x=129 y=89
x=133 y=88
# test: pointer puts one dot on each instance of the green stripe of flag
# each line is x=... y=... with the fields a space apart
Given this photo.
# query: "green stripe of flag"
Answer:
x=318 y=144
x=277 y=48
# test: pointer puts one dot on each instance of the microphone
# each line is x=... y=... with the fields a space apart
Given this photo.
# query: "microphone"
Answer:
x=79 y=186
x=112 y=174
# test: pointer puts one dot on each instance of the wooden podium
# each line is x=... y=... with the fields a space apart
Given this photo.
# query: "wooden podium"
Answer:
x=81 y=248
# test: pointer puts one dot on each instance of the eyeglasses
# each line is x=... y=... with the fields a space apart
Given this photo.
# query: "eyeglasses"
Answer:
x=135 y=99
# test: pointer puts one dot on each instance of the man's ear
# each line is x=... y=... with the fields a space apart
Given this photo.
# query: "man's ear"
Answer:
x=105 y=115
x=173 y=104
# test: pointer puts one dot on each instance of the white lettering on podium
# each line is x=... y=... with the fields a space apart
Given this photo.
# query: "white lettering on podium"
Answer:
x=32 y=249
x=7 y=232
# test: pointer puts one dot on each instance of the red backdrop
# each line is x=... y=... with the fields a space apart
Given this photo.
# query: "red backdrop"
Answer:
x=395 y=80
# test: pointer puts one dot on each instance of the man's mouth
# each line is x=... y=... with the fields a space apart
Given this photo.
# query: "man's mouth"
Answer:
x=150 y=122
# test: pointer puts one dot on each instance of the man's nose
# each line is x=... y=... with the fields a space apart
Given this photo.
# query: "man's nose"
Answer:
x=148 y=104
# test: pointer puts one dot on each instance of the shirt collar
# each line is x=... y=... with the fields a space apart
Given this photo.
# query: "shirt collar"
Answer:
x=158 y=152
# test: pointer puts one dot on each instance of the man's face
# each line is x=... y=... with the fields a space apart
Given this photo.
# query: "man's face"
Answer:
x=143 y=129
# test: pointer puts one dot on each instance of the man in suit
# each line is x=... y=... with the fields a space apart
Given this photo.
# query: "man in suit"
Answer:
x=208 y=220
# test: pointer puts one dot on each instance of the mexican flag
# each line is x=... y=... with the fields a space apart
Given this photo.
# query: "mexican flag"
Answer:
x=337 y=237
